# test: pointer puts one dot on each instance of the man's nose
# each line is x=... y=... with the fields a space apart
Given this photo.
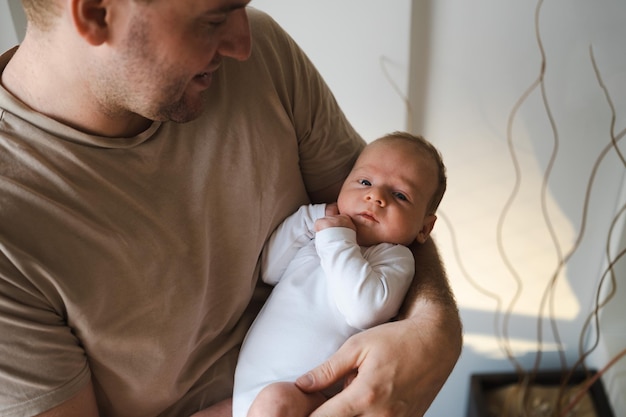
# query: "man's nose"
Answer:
x=237 y=43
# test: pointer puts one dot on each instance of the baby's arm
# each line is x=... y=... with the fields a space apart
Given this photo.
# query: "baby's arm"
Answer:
x=368 y=288
x=291 y=235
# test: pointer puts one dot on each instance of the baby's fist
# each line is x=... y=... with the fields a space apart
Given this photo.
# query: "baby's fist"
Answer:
x=338 y=220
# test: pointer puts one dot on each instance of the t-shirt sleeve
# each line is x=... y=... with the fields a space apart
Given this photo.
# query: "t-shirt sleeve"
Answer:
x=328 y=144
x=41 y=361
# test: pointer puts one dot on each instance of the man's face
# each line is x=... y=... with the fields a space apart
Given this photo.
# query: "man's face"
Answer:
x=162 y=55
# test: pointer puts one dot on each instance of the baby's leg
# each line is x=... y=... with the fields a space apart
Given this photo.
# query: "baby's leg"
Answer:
x=284 y=399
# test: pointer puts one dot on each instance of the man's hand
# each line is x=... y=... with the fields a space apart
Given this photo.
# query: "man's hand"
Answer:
x=392 y=370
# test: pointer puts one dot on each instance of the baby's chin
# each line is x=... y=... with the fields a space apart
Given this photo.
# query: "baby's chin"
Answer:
x=365 y=240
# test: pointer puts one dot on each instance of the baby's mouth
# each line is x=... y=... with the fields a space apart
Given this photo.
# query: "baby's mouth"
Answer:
x=368 y=216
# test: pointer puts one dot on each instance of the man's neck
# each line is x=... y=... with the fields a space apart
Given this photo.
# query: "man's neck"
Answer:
x=47 y=87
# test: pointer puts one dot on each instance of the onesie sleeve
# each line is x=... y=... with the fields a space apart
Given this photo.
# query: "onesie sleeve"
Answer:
x=368 y=285
x=292 y=234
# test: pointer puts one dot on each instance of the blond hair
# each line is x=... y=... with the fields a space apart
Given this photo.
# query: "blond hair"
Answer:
x=41 y=13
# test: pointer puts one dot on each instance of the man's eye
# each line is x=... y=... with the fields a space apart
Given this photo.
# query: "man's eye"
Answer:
x=214 y=23
x=365 y=182
x=216 y=20
x=401 y=196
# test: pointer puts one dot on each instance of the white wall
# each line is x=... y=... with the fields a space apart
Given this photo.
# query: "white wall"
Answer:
x=463 y=65
x=362 y=49
x=8 y=34
x=484 y=56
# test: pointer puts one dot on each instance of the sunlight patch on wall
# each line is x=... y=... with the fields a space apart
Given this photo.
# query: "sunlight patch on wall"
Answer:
x=489 y=346
x=508 y=257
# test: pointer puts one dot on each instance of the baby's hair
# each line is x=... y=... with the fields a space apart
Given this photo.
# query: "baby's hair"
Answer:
x=428 y=149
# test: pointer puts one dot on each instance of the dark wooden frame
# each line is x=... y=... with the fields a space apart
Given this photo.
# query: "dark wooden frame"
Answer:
x=483 y=382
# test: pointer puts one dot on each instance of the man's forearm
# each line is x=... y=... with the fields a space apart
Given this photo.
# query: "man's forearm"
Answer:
x=430 y=293
x=397 y=368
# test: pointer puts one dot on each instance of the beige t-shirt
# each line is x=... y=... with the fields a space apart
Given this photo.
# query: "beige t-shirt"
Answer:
x=131 y=261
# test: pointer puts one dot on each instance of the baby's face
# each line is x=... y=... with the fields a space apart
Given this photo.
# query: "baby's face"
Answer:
x=387 y=194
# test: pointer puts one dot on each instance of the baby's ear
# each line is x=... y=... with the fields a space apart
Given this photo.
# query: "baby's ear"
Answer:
x=427 y=227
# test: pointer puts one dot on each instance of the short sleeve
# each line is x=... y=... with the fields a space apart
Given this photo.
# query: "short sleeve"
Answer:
x=41 y=361
x=328 y=144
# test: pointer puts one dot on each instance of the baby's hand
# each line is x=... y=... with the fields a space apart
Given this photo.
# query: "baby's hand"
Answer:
x=332 y=209
x=334 y=219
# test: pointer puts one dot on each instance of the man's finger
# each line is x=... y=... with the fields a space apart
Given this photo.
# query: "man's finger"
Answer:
x=339 y=365
x=341 y=405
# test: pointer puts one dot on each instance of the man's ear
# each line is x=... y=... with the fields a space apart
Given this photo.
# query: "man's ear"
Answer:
x=427 y=227
x=89 y=18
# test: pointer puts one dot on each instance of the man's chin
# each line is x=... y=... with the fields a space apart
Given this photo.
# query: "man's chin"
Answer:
x=185 y=108
x=182 y=112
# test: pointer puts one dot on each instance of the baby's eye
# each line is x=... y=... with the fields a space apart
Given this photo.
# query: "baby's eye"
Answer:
x=365 y=182
x=400 y=196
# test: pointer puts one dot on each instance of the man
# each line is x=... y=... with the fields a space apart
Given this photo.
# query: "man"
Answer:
x=147 y=150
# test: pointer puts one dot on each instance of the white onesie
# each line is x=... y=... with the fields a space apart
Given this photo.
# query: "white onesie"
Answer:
x=327 y=288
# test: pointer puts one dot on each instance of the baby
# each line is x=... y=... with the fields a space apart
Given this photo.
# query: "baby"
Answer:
x=338 y=269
